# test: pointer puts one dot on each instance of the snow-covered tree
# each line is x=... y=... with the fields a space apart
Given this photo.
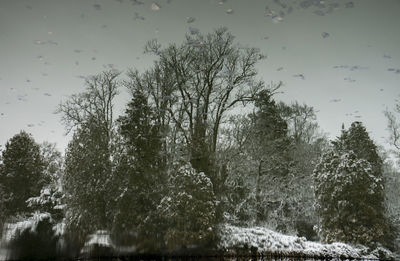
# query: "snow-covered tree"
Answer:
x=270 y=155
x=88 y=160
x=139 y=175
x=86 y=180
x=307 y=146
x=53 y=162
x=49 y=201
x=391 y=176
x=21 y=173
x=348 y=199
x=357 y=139
x=186 y=215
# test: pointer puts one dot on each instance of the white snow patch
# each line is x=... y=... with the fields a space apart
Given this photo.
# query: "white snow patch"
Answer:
x=99 y=238
x=12 y=230
x=59 y=228
x=268 y=241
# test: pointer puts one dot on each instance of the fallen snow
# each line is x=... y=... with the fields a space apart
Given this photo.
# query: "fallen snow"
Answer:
x=12 y=230
x=268 y=241
x=101 y=238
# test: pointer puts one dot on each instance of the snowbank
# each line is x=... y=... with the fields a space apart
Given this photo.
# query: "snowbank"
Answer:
x=269 y=242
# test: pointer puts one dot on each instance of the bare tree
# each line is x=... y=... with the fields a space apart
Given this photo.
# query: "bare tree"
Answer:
x=195 y=85
x=394 y=129
x=95 y=104
x=302 y=124
x=393 y=126
x=88 y=162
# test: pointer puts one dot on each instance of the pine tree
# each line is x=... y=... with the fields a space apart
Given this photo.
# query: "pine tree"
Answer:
x=139 y=174
x=22 y=173
x=349 y=190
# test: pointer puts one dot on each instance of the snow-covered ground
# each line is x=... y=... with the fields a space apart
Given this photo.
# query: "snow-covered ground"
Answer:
x=269 y=242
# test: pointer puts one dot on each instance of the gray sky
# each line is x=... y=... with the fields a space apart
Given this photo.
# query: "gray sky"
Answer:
x=338 y=56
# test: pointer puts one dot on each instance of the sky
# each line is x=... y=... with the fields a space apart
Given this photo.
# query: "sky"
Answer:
x=341 y=57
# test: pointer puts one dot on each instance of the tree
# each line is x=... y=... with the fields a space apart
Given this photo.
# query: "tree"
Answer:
x=194 y=86
x=391 y=176
x=348 y=200
x=21 y=174
x=256 y=148
x=95 y=104
x=393 y=127
x=357 y=139
x=349 y=181
x=187 y=213
x=240 y=206
x=53 y=162
x=270 y=148
x=87 y=181
x=140 y=173
x=307 y=145
x=301 y=120
x=88 y=163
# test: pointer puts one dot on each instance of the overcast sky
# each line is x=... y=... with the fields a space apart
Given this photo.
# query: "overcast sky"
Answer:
x=341 y=57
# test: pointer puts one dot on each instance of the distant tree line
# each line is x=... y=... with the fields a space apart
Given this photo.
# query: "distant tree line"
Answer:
x=202 y=142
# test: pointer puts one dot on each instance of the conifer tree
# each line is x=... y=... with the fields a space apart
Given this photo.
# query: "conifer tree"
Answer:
x=349 y=190
x=86 y=181
x=21 y=174
x=139 y=174
x=270 y=148
x=88 y=160
x=187 y=213
x=357 y=139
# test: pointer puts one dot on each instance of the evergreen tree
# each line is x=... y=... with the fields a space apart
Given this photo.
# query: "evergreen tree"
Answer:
x=270 y=148
x=347 y=200
x=356 y=139
x=88 y=161
x=349 y=190
x=21 y=174
x=187 y=214
x=86 y=180
x=139 y=174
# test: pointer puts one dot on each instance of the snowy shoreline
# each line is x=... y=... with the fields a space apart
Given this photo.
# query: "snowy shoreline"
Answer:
x=237 y=242
x=265 y=242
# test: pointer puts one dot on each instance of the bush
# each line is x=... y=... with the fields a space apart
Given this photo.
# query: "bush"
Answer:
x=39 y=244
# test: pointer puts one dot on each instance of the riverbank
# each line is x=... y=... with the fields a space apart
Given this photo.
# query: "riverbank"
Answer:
x=234 y=242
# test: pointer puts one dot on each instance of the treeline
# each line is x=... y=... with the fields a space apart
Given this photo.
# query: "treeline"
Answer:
x=184 y=158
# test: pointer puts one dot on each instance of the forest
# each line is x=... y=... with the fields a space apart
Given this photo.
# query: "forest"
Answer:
x=202 y=143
